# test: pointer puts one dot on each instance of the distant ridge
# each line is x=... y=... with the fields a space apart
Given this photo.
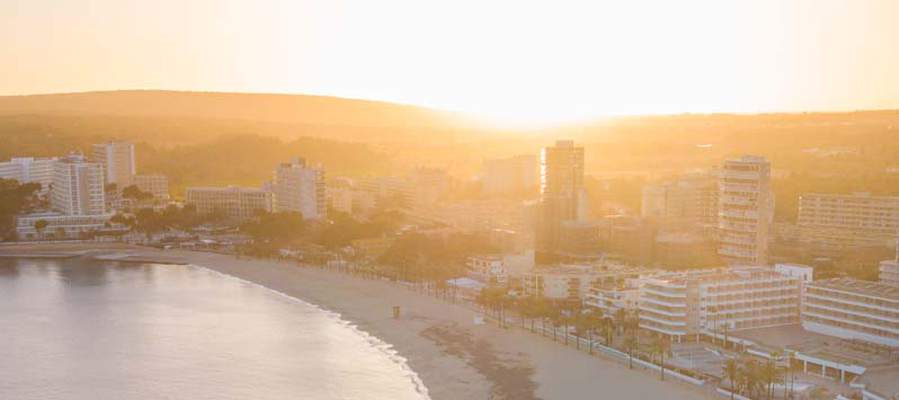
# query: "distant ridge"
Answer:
x=278 y=108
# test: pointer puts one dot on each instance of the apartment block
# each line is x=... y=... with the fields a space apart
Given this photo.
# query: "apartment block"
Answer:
x=832 y=223
x=300 y=188
x=687 y=304
x=853 y=309
x=687 y=202
x=745 y=211
x=78 y=187
x=29 y=170
x=232 y=202
x=117 y=159
x=155 y=184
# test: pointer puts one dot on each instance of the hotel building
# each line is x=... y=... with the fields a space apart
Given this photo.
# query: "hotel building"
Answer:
x=300 y=188
x=77 y=199
x=831 y=223
x=117 y=159
x=29 y=170
x=853 y=309
x=746 y=211
x=687 y=304
x=232 y=202
x=155 y=184
x=78 y=187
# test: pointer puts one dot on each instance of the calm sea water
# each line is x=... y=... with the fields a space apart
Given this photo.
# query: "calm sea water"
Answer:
x=84 y=330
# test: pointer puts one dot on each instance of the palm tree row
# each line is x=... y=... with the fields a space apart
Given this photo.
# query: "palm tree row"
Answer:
x=752 y=378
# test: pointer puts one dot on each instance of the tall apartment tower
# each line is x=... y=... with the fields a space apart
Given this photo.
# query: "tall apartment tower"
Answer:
x=78 y=187
x=300 y=188
x=117 y=159
x=745 y=210
x=561 y=197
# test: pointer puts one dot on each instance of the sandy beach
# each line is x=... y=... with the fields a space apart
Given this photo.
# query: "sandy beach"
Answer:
x=455 y=358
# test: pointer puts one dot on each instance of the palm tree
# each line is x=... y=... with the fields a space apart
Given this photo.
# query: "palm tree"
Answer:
x=771 y=374
x=731 y=371
x=661 y=346
x=630 y=344
x=39 y=226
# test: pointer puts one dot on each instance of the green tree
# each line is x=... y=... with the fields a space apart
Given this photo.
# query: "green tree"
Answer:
x=661 y=346
x=39 y=226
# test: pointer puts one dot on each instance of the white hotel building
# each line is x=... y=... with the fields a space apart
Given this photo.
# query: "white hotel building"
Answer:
x=831 y=223
x=300 y=188
x=77 y=198
x=687 y=304
x=853 y=309
x=29 y=170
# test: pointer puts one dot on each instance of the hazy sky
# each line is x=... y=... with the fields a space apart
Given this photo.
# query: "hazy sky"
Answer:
x=511 y=60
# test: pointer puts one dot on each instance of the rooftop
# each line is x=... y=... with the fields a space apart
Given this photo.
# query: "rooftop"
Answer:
x=864 y=288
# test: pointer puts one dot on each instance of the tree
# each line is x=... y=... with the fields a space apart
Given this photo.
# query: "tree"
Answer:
x=134 y=193
x=731 y=371
x=630 y=345
x=15 y=198
x=661 y=346
x=39 y=226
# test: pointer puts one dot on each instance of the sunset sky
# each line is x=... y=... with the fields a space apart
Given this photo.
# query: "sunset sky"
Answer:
x=513 y=61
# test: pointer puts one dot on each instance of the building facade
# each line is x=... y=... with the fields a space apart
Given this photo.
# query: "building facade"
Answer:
x=745 y=211
x=78 y=187
x=29 y=170
x=685 y=203
x=231 y=202
x=155 y=184
x=713 y=302
x=300 y=188
x=561 y=196
x=853 y=309
x=117 y=159
x=832 y=223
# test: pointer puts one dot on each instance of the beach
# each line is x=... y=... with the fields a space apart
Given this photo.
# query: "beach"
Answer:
x=454 y=357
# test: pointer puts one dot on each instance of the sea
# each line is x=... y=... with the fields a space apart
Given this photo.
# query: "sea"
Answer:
x=81 y=329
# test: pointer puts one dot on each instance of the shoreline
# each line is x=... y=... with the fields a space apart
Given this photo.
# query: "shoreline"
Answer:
x=453 y=357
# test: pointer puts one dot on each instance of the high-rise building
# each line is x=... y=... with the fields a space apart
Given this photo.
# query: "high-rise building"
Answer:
x=232 y=202
x=832 y=223
x=118 y=162
x=29 y=170
x=300 y=188
x=561 y=196
x=745 y=211
x=78 y=187
x=511 y=175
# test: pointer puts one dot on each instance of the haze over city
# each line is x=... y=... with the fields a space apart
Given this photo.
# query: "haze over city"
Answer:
x=445 y=200
x=517 y=63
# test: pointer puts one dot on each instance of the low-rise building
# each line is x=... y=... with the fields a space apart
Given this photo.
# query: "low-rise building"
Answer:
x=832 y=223
x=489 y=268
x=232 y=202
x=59 y=226
x=29 y=170
x=573 y=282
x=853 y=309
x=889 y=270
x=155 y=184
